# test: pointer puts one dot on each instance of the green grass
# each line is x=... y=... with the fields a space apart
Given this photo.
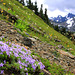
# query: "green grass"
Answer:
x=30 y=18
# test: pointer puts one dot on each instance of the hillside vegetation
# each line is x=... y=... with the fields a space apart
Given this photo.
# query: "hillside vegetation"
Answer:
x=33 y=25
x=30 y=18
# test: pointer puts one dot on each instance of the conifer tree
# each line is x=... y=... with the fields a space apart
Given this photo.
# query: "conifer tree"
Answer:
x=36 y=9
x=29 y=4
x=46 y=17
x=41 y=11
x=22 y=2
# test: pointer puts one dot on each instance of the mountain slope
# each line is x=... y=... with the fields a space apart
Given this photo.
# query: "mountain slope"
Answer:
x=30 y=32
x=30 y=18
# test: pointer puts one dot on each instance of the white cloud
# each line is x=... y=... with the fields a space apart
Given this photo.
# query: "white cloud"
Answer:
x=57 y=7
x=55 y=13
x=50 y=13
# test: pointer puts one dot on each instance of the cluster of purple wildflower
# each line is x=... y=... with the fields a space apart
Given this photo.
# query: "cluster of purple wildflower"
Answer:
x=24 y=56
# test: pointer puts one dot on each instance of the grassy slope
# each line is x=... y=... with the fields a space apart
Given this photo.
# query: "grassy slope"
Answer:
x=30 y=18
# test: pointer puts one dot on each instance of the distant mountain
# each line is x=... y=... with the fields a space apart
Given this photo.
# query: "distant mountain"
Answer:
x=67 y=22
x=61 y=19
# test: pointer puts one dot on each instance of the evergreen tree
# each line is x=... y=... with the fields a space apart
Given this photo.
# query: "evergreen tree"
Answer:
x=45 y=17
x=32 y=6
x=36 y=9
x=41 y=12
x=45 y=12
x=56 y=27
x=29 y=4
x=22 y=2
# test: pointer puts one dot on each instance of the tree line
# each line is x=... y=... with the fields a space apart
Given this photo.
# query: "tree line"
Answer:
x=34 y=8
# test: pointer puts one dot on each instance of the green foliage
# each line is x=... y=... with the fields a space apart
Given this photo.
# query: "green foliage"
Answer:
x=56 y=28
x=23 y=26
x=41 y=73
x=13 y=12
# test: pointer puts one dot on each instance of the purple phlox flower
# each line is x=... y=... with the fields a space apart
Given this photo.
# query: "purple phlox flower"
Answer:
x=29 y=52
x=11 y=49
x=22 y=64
x=25 y=69
x=16 y=55
x=2 y=36
x=1 y=43
x=29 y=56
x=17 y=46
x=2 y=49
x=1 y=65
x=34 y=67
x=10 y=53
x=9 y=43
x=4 y=61
x=20 y=67
x=19 y=62
x=31 y=61
x=26 y=73
x=1 y=71
x=41 y=65
x=1 y=53
x=7 y=52
x=26 y=65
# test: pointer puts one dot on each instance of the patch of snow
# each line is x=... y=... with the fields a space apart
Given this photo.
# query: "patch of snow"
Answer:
x=59 y=25
x=70 y=22
x=57 y=20
x=68 y=18
x=59 y=16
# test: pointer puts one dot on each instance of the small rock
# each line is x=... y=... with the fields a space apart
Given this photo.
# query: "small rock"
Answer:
x=27 y=42
x=73 y=71
x=60 y=46
x=56 y=40
x=66 y=54
x=12 y=31
x=46 y=72
x=32 y=39
x=0 y=33
x=36 y=37
x=45 y=53
x=17 y=38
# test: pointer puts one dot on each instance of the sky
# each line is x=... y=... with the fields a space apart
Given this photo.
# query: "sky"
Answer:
x=57 y=7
